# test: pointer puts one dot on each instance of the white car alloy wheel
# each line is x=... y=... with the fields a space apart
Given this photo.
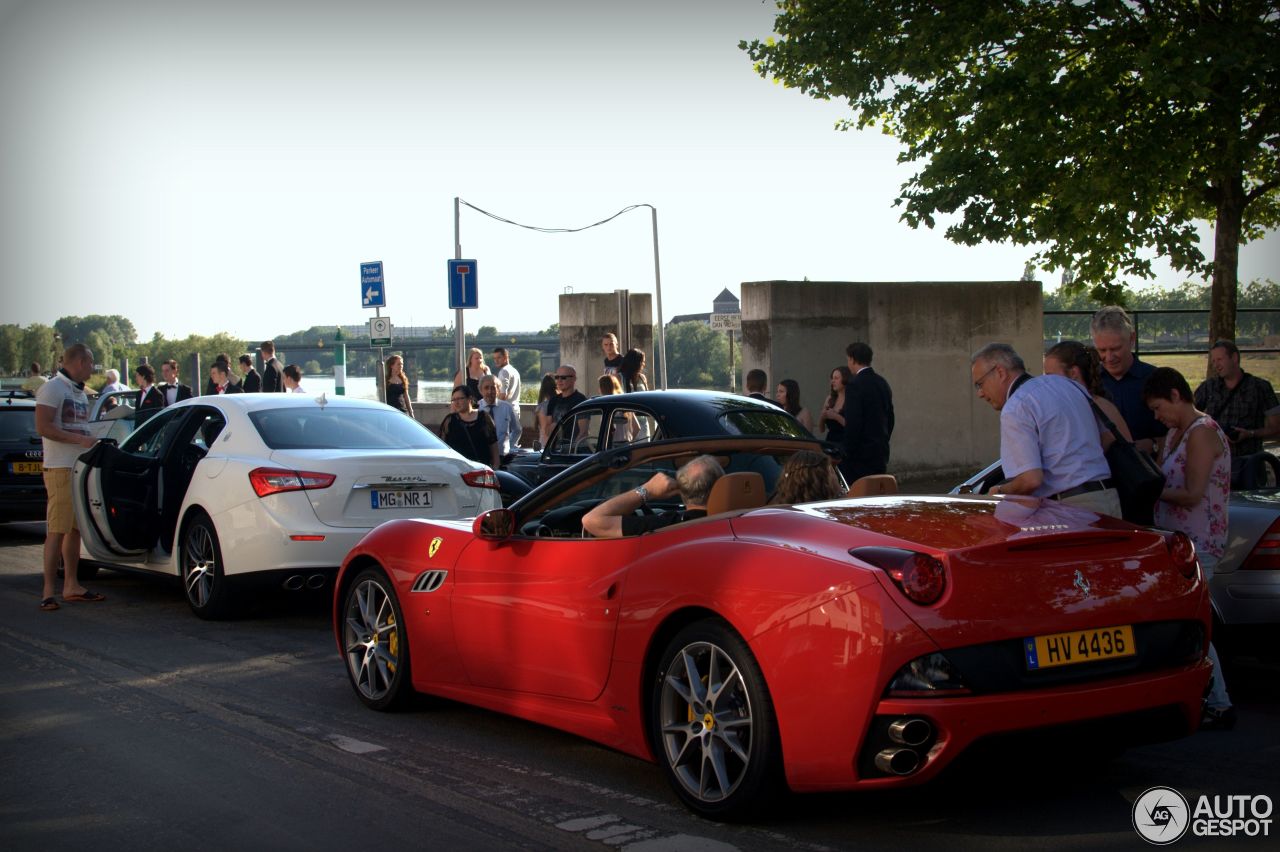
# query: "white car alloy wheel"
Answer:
x=202 y=575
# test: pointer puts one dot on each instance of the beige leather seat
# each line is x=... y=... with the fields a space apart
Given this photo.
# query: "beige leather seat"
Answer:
x=736 y=491
x=877 y=483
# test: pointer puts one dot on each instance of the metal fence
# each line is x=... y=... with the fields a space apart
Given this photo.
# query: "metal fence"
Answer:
x=1175 y=331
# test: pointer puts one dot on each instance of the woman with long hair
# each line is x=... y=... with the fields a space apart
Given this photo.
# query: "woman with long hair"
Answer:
x=397 y=386
x=468 y=430
x=831 y=417
x=632 y=371
x=546 y=393
x=807 y=477
x=1196 y=460
x=1080 y=363
x=788 y=396
x=476 y=370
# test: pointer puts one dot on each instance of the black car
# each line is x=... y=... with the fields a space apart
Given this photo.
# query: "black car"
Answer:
x=22 y=494
x=610 y=421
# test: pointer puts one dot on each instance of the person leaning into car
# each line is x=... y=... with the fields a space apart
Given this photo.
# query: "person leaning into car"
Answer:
x=62 y=420
x=1049 y=443
x=616 y=517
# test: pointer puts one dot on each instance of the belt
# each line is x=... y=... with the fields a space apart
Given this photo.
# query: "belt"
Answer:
x=1092 y=485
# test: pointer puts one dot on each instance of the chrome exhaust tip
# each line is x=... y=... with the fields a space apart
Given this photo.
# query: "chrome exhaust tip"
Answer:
x=897 y=761
x=910 y=731
x=316 y=581
x=293 y=583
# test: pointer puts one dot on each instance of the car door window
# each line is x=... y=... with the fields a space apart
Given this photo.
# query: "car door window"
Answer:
x=631 y=427
x=577 y=435
x=211 y=425
x=149 y=439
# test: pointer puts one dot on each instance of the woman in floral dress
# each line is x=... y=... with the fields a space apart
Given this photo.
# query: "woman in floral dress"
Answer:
x=1196 y=460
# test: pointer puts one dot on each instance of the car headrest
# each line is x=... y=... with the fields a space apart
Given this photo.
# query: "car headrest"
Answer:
x=736 y=491
x=877 y=483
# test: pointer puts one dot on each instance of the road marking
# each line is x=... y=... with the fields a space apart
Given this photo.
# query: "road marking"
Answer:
x=352 y=745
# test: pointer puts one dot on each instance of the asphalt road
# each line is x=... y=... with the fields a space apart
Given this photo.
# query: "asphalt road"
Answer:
x=130 y=724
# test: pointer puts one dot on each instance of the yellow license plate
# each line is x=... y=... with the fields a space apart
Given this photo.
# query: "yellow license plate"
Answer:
x=26 y=467
x=1079 y=646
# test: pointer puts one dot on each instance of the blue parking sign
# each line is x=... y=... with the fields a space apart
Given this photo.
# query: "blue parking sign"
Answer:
x=373 y=293
x=463 y=292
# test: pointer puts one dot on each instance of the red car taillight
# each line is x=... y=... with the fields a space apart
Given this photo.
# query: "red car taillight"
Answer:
x=1265 y=555
x=270 y=480
x=1183 y=553
x=481 y=478
x=919 y=576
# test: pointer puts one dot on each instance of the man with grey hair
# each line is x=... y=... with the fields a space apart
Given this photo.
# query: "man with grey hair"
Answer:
x=113 y=382
x=1123 y=374
x=616 y=517
x=1049 y=444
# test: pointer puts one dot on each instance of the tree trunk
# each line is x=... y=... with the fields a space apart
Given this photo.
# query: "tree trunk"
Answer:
x=1226 y=259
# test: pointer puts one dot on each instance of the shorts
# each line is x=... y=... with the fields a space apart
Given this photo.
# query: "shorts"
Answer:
x=61 y=516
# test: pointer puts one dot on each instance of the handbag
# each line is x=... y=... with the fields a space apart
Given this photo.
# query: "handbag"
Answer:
x=1138 y=479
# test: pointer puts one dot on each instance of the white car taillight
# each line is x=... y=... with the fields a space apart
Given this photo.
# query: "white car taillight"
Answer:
x=269 y=480
x=481 y=478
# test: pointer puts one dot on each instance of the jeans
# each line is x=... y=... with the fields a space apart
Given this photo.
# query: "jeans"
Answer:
x=1218 y=699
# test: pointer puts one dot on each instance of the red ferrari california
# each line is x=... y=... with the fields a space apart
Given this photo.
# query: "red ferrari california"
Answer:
x=858 y=643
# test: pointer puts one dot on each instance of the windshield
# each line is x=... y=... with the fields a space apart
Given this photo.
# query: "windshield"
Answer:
x=342 y=428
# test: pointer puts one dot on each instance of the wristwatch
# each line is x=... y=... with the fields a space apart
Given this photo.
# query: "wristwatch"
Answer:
x=644 y=494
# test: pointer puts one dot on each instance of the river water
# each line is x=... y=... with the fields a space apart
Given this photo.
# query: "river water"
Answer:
x=366 y=387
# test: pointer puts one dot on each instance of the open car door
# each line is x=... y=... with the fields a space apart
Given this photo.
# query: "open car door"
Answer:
x=117 y=491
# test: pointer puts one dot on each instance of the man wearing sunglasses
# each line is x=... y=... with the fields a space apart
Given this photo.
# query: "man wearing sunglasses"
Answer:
x=567 y=393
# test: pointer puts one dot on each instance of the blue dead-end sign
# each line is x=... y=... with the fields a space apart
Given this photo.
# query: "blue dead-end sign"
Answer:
x=463 y=292
x=373 y=293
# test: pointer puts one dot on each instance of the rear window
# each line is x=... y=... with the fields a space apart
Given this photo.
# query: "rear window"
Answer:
x=759 y=422
x=341 y=428
x=17 y=425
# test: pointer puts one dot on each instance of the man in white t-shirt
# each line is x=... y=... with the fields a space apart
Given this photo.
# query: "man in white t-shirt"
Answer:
x=62 y=420
x=508 y=379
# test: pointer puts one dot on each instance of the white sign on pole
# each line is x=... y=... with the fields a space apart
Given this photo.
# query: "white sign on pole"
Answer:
x=380 y=331
x=726 y=322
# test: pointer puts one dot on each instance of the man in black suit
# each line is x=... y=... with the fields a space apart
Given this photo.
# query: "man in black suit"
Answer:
x=756 y=381
x=272 y=369
x=252 y=382
x=174 y=390
x=868 y=417
x=150 y=399
x=220 y=379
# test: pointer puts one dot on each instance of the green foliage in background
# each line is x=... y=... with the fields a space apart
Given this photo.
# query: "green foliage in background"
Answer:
x=1100 y=130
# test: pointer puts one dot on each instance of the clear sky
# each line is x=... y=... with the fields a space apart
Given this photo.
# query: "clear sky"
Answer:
x=226 y=166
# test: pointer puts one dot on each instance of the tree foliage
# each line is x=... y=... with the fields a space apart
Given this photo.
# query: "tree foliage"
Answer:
x=697 y=357
x=1101 y=129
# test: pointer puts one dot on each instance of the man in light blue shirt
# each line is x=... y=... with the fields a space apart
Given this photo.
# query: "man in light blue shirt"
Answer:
x=504 y=417
x=1049 y=444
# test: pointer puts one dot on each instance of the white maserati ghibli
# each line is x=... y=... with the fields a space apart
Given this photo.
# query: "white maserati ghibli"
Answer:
x=226 y=491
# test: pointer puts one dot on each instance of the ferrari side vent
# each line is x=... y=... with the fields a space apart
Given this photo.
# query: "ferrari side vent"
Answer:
x=429 y=581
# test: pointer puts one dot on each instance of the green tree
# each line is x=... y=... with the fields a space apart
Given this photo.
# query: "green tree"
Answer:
x=11 y=350
x=529 y=363
x=38 y=345
x=487 y=331
x=1101 y=129
x=697 y=357
x=311 y=368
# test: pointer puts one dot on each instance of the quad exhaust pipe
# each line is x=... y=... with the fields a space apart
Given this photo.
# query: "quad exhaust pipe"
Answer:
x=910 y=734
x=897 y=761
x=295 y=582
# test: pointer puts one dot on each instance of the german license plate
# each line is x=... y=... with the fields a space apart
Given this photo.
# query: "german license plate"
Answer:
x=1079 y=646
x=26 y=467
x=415 y=499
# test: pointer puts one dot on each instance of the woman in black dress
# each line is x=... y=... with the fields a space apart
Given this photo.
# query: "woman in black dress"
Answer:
x=469 y=431
x=398 y=386
x=831 y=416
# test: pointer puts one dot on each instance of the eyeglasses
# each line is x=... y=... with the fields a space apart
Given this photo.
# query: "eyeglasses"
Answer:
x=563 y=378
x=978 y=384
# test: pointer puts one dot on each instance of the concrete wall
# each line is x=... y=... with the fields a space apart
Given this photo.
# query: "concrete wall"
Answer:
x=922 y=334
x=585 y=318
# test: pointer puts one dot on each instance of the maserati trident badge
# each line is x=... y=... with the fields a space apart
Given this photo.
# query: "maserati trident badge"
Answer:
x=1081 y=583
